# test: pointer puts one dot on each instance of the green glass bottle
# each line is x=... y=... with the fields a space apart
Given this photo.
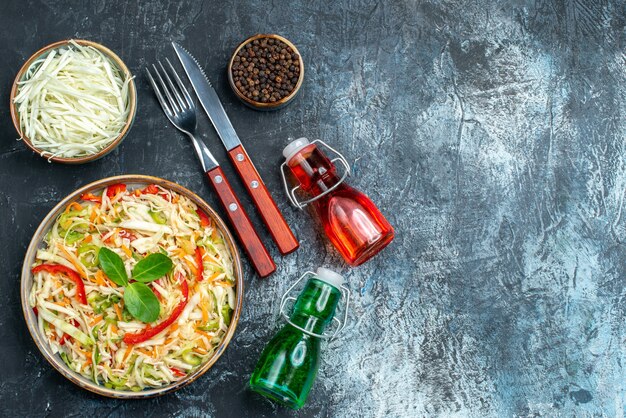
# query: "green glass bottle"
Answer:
x=288 y=365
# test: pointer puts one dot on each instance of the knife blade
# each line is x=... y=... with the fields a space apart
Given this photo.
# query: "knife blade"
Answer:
x=208 y=98
x=263 y=201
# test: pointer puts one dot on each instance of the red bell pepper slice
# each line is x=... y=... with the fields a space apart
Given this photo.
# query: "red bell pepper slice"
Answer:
x=153 y=189
x=199 y=263
x=59 y=269
x=150 y=189
x=177 y=372
x=91 y=197
x=149 y=331
x=204 y=219
x=36 y=311
x=157 y=293
x=114 y=189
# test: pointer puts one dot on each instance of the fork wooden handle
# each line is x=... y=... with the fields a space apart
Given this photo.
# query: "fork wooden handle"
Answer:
x=273 y=219
x=248 y=238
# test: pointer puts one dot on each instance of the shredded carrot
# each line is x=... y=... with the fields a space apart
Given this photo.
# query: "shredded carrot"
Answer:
x=167 y=341
x=88 y=239
x=83 y=352
x=96 y=320
x=222 y=283
x=191 y=266
x=73 y=205
x=111 y=282
x=62 y=303
x=202 y=344
x=127 y=251
x=199 y=351
x=199 y=331
x=103 y=280
x=114 y=328
x=144 y=352
x=213 y=258
x=100 y=278
x=214 y=235
x=175 y=199
x=91 y=280
x=205 y=312
x=127 y=353
x=92 y=218
x=214 y=276
x=115 y=232
x=72 y=259
x=174 y=327
x=87 y=363
x=118 y=311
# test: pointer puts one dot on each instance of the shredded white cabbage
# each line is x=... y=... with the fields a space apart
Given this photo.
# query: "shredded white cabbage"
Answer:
x=73 y=102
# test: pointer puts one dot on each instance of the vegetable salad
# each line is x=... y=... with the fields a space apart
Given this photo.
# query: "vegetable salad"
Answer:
x=134 y=289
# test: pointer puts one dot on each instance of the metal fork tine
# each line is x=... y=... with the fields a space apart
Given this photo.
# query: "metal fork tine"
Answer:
x=180 y=84
x=159 y=95
x=171 y=100
x=173 y=88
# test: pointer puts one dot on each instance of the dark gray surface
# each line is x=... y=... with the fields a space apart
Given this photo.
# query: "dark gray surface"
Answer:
x=490 y=133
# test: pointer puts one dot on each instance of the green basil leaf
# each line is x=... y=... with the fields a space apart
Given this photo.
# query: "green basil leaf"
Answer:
x=152 y=267
x=141 y=302
x=113 y=266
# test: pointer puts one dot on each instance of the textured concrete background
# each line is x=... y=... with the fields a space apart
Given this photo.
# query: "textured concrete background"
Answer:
x=492 y=135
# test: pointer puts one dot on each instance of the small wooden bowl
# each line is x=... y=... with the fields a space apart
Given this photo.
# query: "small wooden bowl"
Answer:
x=27 y=282
x=260 y=105
x=132 y=91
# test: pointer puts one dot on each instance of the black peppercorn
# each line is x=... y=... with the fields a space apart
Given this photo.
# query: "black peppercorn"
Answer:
x=266 y=70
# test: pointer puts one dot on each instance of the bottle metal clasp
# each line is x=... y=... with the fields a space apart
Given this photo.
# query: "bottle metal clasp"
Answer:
x=341 y=324
x=291 y=194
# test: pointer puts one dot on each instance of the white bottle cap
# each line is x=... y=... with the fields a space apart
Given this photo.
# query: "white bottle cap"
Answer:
x=330 y=277
x=293 y=147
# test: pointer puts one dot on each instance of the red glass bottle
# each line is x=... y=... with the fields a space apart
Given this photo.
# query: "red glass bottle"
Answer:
x=351 y=221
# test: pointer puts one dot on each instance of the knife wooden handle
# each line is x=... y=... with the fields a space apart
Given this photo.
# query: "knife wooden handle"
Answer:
x=248 y=238
x=280 y=231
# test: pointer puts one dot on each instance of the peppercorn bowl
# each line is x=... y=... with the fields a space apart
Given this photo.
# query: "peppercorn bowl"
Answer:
x=255 y=66
x=51 y=336
x=90 y=152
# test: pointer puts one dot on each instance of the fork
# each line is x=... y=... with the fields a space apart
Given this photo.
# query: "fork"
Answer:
x=181 y=112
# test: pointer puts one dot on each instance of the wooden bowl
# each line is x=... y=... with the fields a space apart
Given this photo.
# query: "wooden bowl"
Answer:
x=27 y=282
x=132 y=91
x=260 y=105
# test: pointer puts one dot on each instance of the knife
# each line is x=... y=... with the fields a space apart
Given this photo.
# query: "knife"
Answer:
x=263 y=201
